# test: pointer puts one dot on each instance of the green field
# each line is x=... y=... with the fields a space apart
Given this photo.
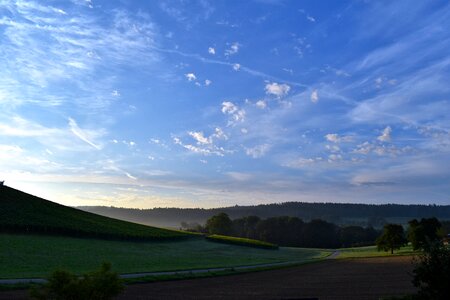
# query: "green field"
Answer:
x=371 y=251
x=23 y=213
x=241 y=241
x=24 y=256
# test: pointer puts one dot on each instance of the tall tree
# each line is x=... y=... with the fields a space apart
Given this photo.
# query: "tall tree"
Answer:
x=432 y=272
x=392 y=238
x=424 y=233
x=219 y=224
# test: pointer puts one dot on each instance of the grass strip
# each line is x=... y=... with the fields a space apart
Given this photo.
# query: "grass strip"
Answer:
x=241 y=241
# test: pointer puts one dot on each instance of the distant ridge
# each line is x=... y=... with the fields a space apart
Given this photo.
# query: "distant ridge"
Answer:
x=24 y=213
x=339 y=213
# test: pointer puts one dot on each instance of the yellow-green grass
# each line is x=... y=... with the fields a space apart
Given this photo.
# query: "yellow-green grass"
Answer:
x=23 y=213
x=371 y=251
x=241 y=241
x=25 y=256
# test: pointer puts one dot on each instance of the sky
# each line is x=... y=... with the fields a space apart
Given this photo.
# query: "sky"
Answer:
x=217 y=103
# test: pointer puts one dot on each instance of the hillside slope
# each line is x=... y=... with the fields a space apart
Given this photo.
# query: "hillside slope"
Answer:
x=23 y=213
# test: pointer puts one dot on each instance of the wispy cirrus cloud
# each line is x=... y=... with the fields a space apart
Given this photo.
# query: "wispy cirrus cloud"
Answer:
x=45 y=48
x=82 y=134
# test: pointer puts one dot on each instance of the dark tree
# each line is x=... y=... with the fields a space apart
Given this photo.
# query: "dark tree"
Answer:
x=351 y=236
x=432 y=273
x=391 y=238
x=219 y=224
x=246 y=227
x=320 y=234
x=424 y=233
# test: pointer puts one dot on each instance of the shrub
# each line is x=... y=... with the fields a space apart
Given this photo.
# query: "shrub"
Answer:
x=102 y=284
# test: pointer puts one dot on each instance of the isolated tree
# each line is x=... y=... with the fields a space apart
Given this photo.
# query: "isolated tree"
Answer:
x=424 y=233
x=219 y=224
x=391 y=238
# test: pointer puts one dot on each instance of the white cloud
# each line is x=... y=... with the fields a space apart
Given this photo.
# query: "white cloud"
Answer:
x=261 y=104
x=301 y=162
x=234 y=48
x=334 y=158
x=130 y=176
x=18 y=126
x=68 y=50
x=207 y=82
x=311 y=19
x=335 y=138
x=199 y=137
x=257 y=151
x=115 y=93
x=363 y=148
x=83 y=135
x=277 y=89
x=332 y=137
x=129 y=143
x=333 y=148
x=190 y=76
x=219 y=134
x=208 y=149
x=314 y=96
x=236 y=67
x=229 y=107
x=211 y=50
x=386 y=135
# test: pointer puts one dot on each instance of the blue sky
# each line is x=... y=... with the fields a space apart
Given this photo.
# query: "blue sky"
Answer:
x=216 y=103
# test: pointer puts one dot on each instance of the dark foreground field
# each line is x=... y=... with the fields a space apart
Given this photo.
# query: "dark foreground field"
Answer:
x=368 y=278
x=364 y=278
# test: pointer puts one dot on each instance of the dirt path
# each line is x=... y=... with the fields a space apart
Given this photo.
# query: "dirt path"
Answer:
x=367 y=278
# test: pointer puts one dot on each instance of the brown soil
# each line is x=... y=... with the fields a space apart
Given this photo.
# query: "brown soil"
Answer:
x=366 y=278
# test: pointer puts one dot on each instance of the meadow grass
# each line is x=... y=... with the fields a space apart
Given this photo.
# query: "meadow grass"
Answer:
x=25 y=256
x=371 y=251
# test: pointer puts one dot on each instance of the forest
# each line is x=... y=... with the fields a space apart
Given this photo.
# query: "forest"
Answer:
x=344 y=214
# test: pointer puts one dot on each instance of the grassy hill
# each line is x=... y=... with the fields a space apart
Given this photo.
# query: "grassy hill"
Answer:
x=23 y=213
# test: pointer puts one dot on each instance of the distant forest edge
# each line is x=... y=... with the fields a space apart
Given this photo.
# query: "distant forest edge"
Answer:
x=373 y=215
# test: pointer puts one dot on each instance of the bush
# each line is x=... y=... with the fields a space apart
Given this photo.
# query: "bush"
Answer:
x=98 y=285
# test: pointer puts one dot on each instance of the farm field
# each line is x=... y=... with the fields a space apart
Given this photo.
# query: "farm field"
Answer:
x=356 y=279
x=371 y=251
x=25 y=256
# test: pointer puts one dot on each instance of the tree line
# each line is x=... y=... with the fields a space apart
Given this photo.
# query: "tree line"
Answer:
x=294 y=232
x=375 y=215
x=288 y=231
